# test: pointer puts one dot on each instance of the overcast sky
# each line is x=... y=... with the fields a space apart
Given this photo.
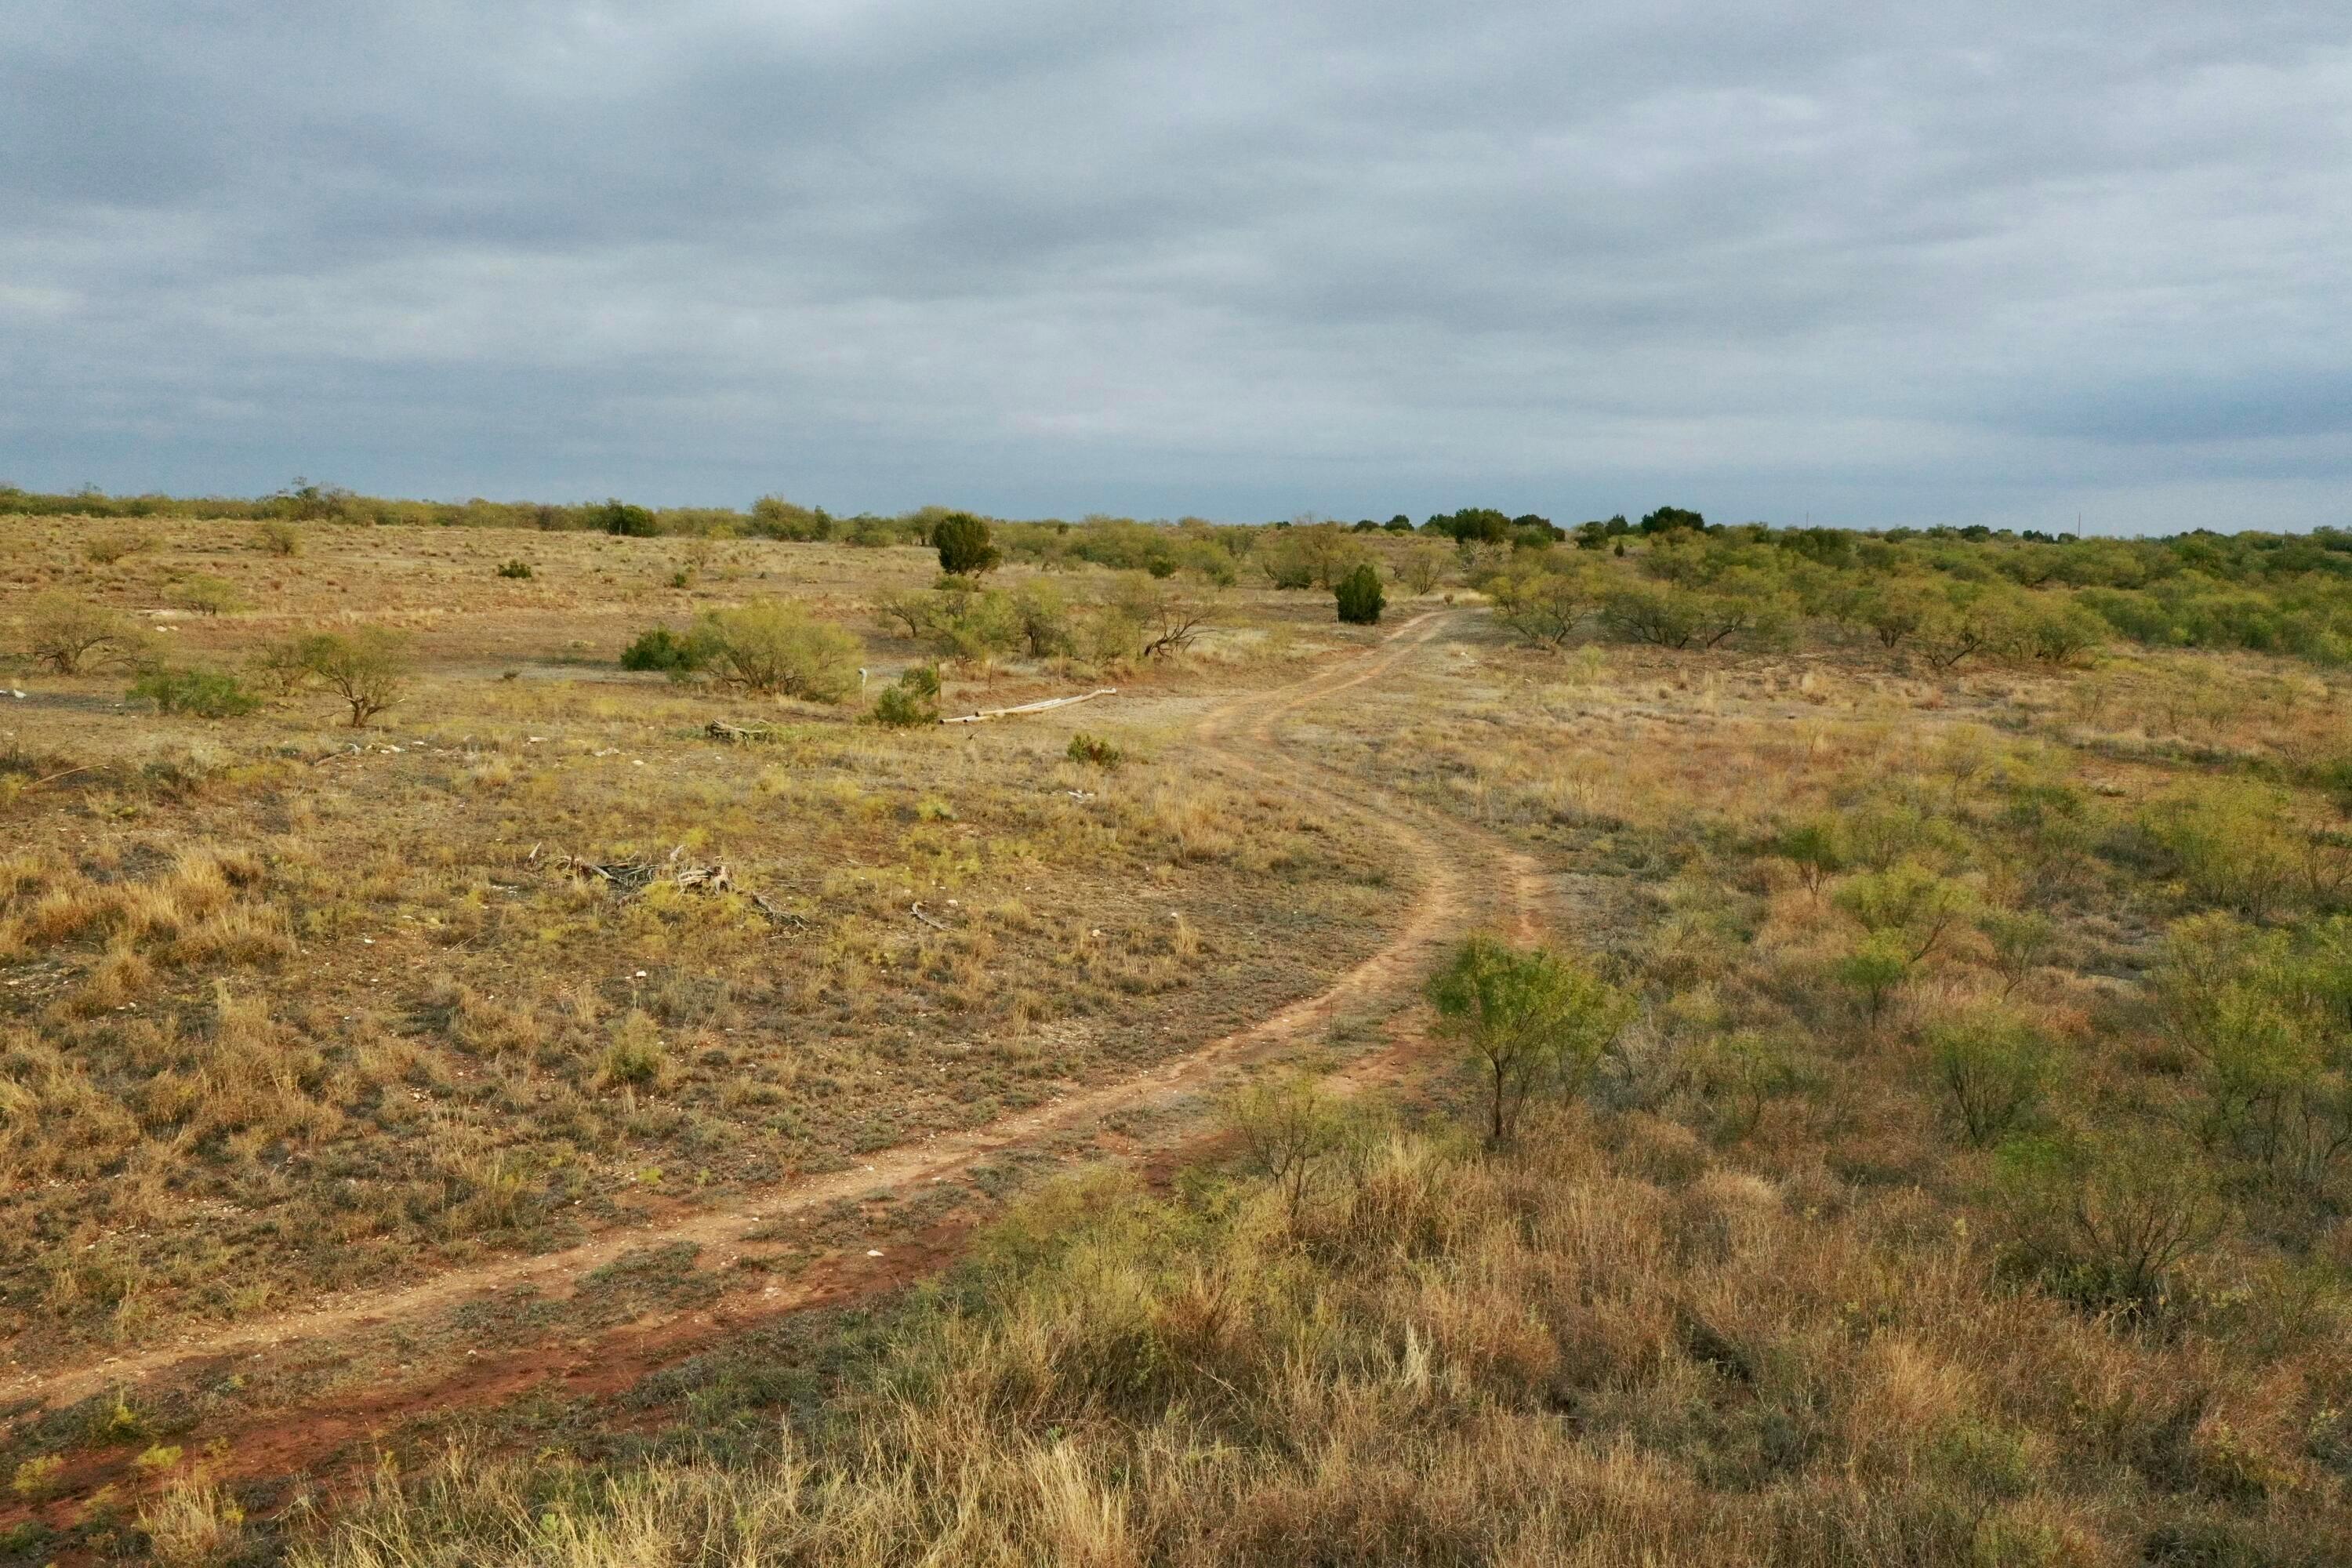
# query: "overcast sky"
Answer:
x=1998 y=262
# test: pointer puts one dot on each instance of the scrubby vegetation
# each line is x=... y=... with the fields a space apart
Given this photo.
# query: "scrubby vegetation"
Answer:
x=1913 y=1123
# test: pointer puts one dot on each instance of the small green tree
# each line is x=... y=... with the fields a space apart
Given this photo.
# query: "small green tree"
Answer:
x=1543 y=607
x=196 y=693
x=1044 y=612
x=204 y=595
x=1996 y=1067
x=976 y=626
x=777 y=518
x=1876 y=968
x=1422 y=566
x=1094 y=750
x=1908 y=902
x=70 y=635
x=963 y=543
x=775 y=647
x=1816 y=847
x=1285 y=563
x=368 y=669
x=2020 y=940
x=1358 y=595
x=910 y=612
x=1291 y=1128
x=1530 y=1020
x=2058 y=632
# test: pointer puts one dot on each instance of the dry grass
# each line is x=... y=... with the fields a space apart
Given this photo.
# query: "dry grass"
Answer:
x=290 y=1009
x=1605 y=1348
x=1938 y=1208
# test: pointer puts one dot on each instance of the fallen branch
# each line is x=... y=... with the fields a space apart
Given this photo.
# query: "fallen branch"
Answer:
x=917 y=910
x=1031 y=707
x=637 y=875
x=633 y=877
x=742 y=734
x=55 y=777
x=775 y=915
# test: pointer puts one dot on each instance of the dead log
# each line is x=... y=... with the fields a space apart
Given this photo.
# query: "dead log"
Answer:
x=1038 y=707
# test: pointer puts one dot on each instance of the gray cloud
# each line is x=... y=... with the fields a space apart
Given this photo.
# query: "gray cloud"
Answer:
x=2006 y=263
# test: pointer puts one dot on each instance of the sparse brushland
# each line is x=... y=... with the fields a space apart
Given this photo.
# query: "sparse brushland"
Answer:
x=1918 y=1129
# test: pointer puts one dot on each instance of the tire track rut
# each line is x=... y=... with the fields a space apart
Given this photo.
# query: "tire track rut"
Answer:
x=1463 y=873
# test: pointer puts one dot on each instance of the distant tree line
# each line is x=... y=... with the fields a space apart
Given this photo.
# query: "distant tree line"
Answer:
x=1955 y=589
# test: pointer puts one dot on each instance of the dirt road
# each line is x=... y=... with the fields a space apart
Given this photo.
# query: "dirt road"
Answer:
x=1464 y=879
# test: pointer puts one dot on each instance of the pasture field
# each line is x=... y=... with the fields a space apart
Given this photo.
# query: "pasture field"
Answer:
x=1045 y=1144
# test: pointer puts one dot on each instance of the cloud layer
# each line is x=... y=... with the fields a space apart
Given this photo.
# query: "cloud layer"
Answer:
x=2014 y=265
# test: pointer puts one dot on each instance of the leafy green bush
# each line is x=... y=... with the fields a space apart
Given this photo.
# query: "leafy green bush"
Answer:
x=2058 y=631
x=106 y=549
x=1045 y=614
x=2261 y=1015
x=1740 y=602
x=896 y=708
x=207 y=595
x=663 y=649
x=517 y=569
x=1542 y=606
x=777 y=518
x=70 y=635
x=976 y=626
x=1358 y=595
x=636 y=1055
x=912 y=699
x=1876 y=968
x=196 y=693
x=1907 y=902
x=279 y=537
x=2228 y=843
x=775 y=647
x=2105 y=1223
x=1285 y=565
x=1816 y=847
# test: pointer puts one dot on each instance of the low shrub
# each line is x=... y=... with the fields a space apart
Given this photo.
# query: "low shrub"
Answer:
x=1094 y=750
x=663 y=649
x=195 y=693
x=518 y=569
x=207 y=596
x=106 y=549
x=910 y=702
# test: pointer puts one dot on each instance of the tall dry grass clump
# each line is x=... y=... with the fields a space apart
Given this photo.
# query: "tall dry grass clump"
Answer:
x=1445 y=1355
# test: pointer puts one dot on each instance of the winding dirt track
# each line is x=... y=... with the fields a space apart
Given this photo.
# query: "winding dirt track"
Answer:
x=1466 y=877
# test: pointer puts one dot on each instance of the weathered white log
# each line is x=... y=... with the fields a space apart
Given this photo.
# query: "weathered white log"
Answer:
x=1038 y=707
